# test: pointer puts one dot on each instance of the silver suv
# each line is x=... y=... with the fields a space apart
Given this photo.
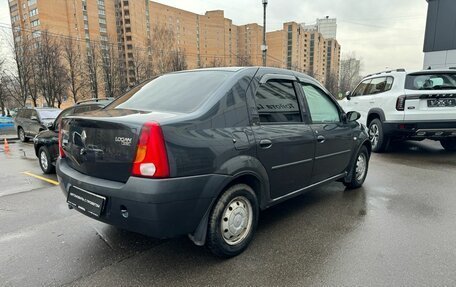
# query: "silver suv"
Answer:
x=397 y=105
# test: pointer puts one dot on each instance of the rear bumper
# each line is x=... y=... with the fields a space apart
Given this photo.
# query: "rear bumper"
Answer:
x=420 y=129
x=161 y=208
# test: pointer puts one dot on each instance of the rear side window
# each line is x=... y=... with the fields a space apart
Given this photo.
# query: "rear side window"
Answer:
x=276 y=102
x=181 y=92
x=431 y=81
x=86 y=108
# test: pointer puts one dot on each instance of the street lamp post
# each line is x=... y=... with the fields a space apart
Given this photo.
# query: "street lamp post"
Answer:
x=264 y=47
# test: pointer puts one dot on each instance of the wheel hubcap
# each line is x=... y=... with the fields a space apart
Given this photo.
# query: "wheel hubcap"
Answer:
x=22 y=135
x=236 y=221
x=361 y=167
x=43 y=159
x=374 y=135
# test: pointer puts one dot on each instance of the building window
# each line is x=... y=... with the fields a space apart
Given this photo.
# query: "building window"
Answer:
x=31 y=2
x=35 y=23
x=102 y=21
x=33 y=12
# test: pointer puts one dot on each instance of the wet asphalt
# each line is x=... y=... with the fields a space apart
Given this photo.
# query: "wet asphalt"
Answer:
x=398 y=230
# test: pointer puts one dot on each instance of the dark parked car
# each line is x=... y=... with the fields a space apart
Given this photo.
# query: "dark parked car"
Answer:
x=202 y=152
x=46 y=142
x=30 y=121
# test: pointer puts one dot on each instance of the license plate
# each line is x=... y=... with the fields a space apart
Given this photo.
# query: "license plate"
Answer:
x=441 y=103
x=85 y=201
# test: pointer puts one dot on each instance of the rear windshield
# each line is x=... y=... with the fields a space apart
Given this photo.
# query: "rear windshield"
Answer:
x=438 y=81
x=49 y=114
x=181 y=92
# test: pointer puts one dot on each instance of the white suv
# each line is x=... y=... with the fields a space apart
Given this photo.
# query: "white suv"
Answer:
x=396 y=105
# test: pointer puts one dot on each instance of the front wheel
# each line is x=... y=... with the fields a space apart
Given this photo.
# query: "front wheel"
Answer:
x=359 y=169
x=449 y=144
x=45 y=161
x=378 y=139
x=233 y=221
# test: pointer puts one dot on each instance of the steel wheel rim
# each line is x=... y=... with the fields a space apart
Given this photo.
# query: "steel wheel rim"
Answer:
x=236 y=221
x=43 y=160
x=361 y=167
x=374 y=135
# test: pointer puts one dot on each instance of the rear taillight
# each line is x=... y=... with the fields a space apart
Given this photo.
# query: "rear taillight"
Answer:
x=400 y=103
x=61 y=151
x=151 y=157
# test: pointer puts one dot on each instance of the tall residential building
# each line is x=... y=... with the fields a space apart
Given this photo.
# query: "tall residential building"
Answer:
x=440 y=38
x=306 y=50
x=325 y=26
x=143 y=33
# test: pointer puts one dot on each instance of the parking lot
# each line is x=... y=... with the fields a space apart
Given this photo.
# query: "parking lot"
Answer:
x=398 y=229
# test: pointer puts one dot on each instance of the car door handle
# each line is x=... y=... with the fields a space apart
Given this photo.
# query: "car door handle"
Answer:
x=265 y=144
x=321 y=139
x=373 y=102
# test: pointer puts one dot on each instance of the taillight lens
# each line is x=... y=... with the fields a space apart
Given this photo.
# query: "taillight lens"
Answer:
x=151 y=157
x=61 y=151
x=400 y=103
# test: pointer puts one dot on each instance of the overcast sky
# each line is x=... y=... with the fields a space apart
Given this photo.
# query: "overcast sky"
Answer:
x=383 y=33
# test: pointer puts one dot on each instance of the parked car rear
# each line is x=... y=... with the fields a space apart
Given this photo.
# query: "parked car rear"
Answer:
x=201 y=152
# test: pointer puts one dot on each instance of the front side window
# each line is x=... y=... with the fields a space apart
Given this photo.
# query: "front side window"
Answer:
x=361 y=88
x=321 y=108
x=276 y=102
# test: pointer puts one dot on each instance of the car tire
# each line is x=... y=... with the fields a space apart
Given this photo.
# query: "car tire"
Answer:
x=233 y=221
x=359 y=169
x=378 y=139
x=22 y=136
x=45 y=161
x=449 y=144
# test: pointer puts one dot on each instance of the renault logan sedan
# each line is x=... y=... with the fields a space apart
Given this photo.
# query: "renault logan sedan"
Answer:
x=202 y=152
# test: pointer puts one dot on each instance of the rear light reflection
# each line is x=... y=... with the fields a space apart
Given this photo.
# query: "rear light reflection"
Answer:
x=61 y=151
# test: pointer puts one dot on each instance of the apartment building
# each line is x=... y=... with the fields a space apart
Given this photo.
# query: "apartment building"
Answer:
x=305 y=50
x=132 y=29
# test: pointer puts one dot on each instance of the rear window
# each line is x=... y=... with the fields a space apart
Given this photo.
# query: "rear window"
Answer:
x=438 y=81
x=181 y=92
x=49 y=114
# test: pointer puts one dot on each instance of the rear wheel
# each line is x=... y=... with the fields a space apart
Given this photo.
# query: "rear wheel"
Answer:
x=233 y=221
x=21 y=135
x=378 y=139
x=359 y=169
x=45 y=161
x=449 y=144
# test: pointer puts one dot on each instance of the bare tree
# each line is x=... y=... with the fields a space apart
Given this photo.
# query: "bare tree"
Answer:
x=110 y=66
x=332 y=84
x=93 y=66
x=163 y=43
x=50 y=74
x=215 y=62
x=142 y=64
x=71 y=54
x=244 y=60
x=178 y=61
x=350 y=69
x=20 y=80
x=3 y=91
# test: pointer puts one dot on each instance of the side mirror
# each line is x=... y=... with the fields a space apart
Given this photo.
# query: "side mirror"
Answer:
x=50 y=125
x=348 y=95
x=353 y=116
x=34 y=118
